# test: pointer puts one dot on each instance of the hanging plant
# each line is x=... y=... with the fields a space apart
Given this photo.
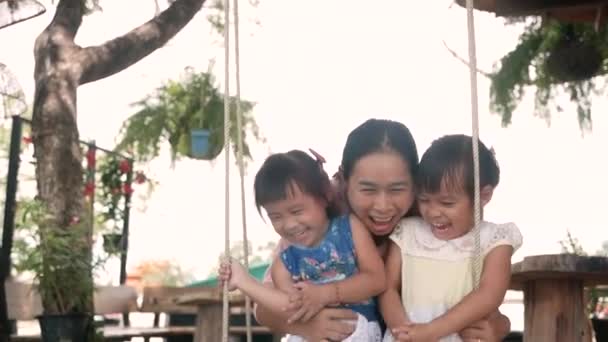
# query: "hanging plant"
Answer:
x=179 y=108
x=576 y=55
x=555 y=58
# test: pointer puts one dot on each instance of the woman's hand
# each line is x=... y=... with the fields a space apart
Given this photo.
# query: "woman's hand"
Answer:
x=481 y=331
x=308 y=300
x=331 y=324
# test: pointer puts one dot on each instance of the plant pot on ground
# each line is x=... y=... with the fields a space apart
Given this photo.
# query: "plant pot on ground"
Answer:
x=64 y=327
x=60 y=259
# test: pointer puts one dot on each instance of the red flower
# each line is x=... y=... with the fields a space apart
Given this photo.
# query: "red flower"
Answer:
x=27 y=140
x=127 y=189
x=91 y=159
x=140 y=177
x=89 y=189
x=124 y=166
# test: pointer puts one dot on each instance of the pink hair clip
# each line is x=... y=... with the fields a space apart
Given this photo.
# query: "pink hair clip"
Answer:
x=317 y=156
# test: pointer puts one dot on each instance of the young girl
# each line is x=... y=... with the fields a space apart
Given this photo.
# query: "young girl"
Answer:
x=430 y=261
x=331 y=260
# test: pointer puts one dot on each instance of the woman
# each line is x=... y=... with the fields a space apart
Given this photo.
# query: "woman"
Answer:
x=379 y=162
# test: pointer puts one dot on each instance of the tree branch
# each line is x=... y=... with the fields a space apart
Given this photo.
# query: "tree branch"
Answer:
x=465 y=62
x=118 y=54
x=68 y=17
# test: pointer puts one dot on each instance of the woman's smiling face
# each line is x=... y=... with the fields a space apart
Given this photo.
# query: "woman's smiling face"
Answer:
x=380 y=191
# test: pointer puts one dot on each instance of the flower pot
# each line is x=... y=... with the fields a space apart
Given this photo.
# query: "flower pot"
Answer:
x=64 y=328
x=574 y=60
x=112 y=243
x=200 y=143
x=600 y=327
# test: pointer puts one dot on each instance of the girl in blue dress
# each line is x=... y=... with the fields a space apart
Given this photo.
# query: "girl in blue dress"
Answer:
x=331 y=260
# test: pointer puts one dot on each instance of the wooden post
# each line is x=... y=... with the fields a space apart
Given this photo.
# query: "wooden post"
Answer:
x=554 y=301
x=10 y=208
x=554 y=311
x=209 y=323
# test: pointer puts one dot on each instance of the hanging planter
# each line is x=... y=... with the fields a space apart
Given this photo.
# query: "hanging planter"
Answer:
x=187 y=113
x=112 y=243
x=574 y=59
x=200 y=146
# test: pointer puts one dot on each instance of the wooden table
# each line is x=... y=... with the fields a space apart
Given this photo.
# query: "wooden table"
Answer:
x=554 y=303
x=209 y=313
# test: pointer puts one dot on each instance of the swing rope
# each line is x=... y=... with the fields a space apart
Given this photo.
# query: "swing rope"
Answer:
x=477 y=262
x=239 y=147
x=225 y=304
x=239 y=138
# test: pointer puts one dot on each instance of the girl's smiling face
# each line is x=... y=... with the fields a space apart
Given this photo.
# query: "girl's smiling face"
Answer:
x=300 y=218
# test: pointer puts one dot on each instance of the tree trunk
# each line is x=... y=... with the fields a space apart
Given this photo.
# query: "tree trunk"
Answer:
x=56 y=146
x=61 y=66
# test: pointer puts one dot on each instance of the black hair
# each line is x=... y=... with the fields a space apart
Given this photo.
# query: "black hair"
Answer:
x=377 y=135
x=281 y=171
x=449 y=162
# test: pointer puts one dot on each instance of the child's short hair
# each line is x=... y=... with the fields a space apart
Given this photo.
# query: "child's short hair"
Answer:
x=281 y=171
x=449 y=162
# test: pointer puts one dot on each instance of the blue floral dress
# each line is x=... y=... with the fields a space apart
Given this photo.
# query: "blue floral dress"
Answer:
x=334 y=259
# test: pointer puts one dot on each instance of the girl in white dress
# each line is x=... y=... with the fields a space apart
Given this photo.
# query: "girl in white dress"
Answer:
x=431 y=294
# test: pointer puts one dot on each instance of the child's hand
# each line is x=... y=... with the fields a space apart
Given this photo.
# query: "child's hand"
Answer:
x=233 y=273
x=312 y=299
x=295 y=300
x=413 y=332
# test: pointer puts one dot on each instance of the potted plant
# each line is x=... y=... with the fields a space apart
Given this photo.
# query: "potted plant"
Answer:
x=592 y=294
x=50 y=256
x=554 y=57
x=115 y=176
x=200 y=142
x=112 y=198
x=575 y=55
x=188 y=114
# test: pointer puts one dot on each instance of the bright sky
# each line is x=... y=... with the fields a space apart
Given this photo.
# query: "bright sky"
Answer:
x=317 y=69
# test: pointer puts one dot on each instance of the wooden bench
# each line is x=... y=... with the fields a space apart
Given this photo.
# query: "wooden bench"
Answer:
x=24 y=304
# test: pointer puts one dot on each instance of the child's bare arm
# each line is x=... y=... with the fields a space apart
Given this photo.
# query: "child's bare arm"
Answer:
x=390 y=301
x=274 y=298
x=483 y=301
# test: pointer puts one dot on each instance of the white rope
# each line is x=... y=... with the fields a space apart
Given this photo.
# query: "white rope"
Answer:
x=239 y=138
x=477 y=264
x=226 y=308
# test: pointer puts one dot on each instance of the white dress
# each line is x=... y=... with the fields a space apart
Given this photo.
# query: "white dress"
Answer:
x=437 y=274
x=365 y=331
